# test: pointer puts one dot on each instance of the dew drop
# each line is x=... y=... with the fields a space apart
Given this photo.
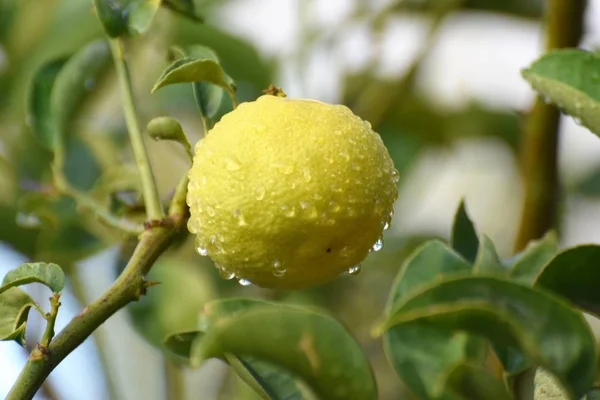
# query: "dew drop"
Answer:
x=395 y=175
x=278 y=273
x=285 y=169
x=237 y=213
x=378 y=245
x=210 y=211
x=334 y=207
x=260 y=192
x=386 y=225
x=288 y=211
x=223 y=273
x=277 y=264
x=306 y=174
x=317 y=196
x=355 y=270
x=345 y=156
x=231 y=164
x=202 y=251
x=244 y=282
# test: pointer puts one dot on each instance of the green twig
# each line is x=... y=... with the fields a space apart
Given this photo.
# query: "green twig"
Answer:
x=51 y=320
x=175 y=380
x=127 y=288
x=151 y=198
x=564 y=19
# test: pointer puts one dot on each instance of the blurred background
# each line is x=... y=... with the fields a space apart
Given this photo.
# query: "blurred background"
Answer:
x=439 y=80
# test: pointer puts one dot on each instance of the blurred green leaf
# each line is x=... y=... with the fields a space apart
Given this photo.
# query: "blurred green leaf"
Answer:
x=589 y=184
x=81 y=166
x=305 y=342
x=40 y=115
x=522 y=8
x=172 y=306
x=186 y=8
x=570 y=79
x=112 y=16
x=180 y=344
x=35 y=209
x=573 y=273
x=14 y=310
x=464 y=238
x=75 y=81
x=475 y=383
x=120 y=178
x=192 y=69
x=428 y=263
x=548 y=330
x=140 y=15
x=533 y=259
x=488 y=261
x=47 y=274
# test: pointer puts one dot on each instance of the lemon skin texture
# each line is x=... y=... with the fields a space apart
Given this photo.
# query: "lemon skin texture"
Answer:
x=289 y=193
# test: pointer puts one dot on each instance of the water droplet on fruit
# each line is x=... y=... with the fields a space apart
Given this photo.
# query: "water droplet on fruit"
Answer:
x=244 y=282
x=285 y=169
x=333 y=206
x=223 y=273
x=210 y=211
x=317 y=196
x=288 y=211
x=278 y=273
x=231 y=164
x=277 y=264
x=306 y=174
x=260 y=192
x=386 y=225
x=237 y=213
x=202 y=251
x=355 y=270
x=345 y=156
x=378 y=245
x=395 y=175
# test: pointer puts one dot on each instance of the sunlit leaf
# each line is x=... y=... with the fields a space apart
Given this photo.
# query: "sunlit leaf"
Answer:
x=573 y=273
x=488 y=261
x=464 y=238
x=537 y=254
x=311 y=345
x=140 y=15
x=428 y=263
x=547 y=329
x=570 y=79
x=474 y=383
x=14 y=310
x=190 y=70
x=47 y=274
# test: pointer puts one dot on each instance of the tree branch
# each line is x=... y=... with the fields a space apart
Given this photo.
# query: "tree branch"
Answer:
x=564 y=19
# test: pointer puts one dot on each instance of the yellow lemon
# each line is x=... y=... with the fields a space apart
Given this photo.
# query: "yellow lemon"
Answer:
x=290 y=193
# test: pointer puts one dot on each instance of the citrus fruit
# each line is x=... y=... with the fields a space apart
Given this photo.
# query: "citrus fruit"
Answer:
x=290 y=193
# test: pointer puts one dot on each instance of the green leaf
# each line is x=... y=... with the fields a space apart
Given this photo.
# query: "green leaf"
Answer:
x=192 y=69
x=429 y=262
x=537 y=254
x=180 y=344
x=140 y=15
x=50 y=275
x=14 y=310
x=207 y=95
x=112 y=16
x=570 y=79
x=464 y=238
x=40 y=116
x=552 y=334
x=307 y=343
x=475 y=383
x=167 y=128
x=35 y=209
x=574 y=274
x=487 y=261
x=75 y=81
x=173 y=305
x=266 y=379
x=183 y=7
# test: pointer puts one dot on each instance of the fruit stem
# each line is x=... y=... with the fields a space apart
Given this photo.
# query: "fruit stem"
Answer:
x=564 y=21
x=150 y=191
